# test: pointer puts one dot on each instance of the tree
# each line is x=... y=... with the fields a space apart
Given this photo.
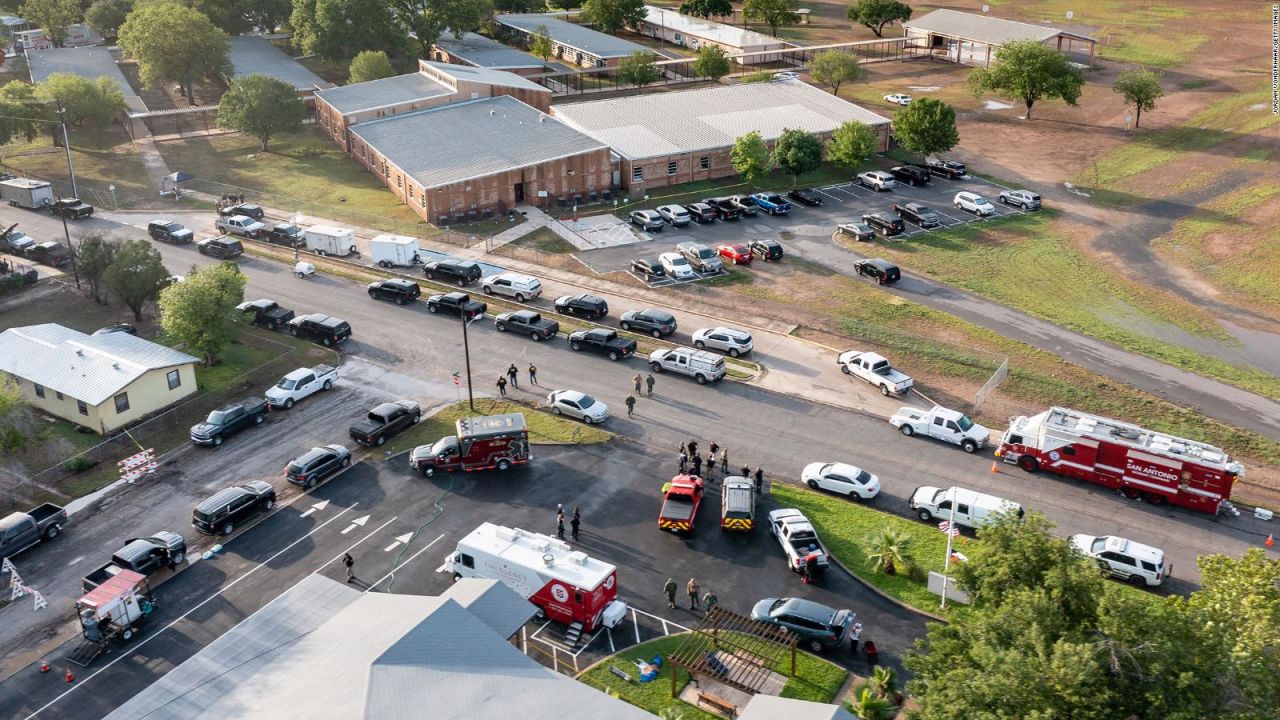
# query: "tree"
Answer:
x=613 y=15
x=334 y=29
x=1141 y=88
x=712 y=62
x=200 y=313
x=1029 y=70
x=541 y=44
x=94 y=255
x=884 y=681
x=15 y=415
x=21 y=113
x=519 y=6
x=95 y=102
x=888 y=550
x=267 y=15
x=229 y=16
x=852 y=144
x=750 y=157
x=427 y=20
x=875 y=14
x=638 y=69
x=834 y=68
x=866 y=705
x=106 y=16
x=261 y=106
x=174 y=43
x=369 y=65
x=926 y=126
x=54 y=17
x=774 y=13
x=565 y=4
x=797 y=152
x=136 y=275
x=707 y=8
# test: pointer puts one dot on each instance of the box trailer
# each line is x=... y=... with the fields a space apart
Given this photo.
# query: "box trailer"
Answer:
x=394 y=251
x=328 y=240
x=23 y=192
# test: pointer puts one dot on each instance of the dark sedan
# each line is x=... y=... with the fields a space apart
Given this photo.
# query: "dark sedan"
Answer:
x=805 y=196
x=649 y=267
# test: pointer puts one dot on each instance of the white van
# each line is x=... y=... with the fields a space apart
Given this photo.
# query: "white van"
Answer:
x=972 y=509
x=1139 y=564
x=328 y=240
x=697 y=364
x=394 y=251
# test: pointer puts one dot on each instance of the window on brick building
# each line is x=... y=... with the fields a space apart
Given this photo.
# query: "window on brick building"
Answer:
x=704 y=163
x=673 y=168
x=637 y=173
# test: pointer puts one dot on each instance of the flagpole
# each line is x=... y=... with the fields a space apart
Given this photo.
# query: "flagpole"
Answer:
x=946 y=563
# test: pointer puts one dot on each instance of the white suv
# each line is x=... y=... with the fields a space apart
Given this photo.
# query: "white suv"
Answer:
x=674 y=214
x=731 y=341
x=701 y=366
x=1139 y=564
x=877 y=180
x=974 y=203
x=520 y=287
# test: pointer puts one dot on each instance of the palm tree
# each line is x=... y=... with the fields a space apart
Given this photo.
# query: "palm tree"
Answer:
x=866 y=706
x=887 y=550
x=671 y=714
x=885 y=681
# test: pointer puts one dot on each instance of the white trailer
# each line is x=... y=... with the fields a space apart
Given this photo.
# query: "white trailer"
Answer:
x=394 y=251
x=328 y=240
x=22 y=192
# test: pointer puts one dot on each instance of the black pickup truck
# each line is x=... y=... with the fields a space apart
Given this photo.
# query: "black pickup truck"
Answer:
x=145 y=556
x=529 y=323
x=604 y=341
x=229 y=420
x=457 y=303
x=384 y=421
x=71 y=208
x=266 y=313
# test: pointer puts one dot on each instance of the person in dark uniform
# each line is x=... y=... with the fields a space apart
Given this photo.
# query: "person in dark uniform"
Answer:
x=575 y=523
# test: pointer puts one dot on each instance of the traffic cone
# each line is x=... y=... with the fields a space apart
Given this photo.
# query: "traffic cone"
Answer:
x=1271 y=541
x=44 y=665
x=70 y=677
x=995 y=467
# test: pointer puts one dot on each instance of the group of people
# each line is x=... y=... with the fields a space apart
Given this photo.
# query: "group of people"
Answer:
x=637 y=382
x=709 y=600
x=512 y=378
x=575 y=523
x=692 y=462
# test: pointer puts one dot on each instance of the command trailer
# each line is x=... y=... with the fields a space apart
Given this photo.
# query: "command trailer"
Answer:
x=566 y=584
x=1140 y=463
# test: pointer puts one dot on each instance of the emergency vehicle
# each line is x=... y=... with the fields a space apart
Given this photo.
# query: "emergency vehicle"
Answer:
x=1140 y=463
x=737 y=504
x=681 y=499
x=480 y=443
x=566 y=584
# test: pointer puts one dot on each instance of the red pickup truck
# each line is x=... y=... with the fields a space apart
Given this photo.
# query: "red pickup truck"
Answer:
x=681 y=498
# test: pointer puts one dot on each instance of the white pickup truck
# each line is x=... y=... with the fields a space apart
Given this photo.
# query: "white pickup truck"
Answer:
x=798 y=539
x=299 y=384
x=943 y=424
x=876 y=370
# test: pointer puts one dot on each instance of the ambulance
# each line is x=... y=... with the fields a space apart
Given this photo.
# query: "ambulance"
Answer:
x=566 y=584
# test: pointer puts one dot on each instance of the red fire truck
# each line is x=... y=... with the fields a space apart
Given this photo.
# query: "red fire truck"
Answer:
x=566 y=584
x=1138 y=462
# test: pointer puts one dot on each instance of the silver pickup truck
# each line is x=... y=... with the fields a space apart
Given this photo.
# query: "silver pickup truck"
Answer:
x=22 y=530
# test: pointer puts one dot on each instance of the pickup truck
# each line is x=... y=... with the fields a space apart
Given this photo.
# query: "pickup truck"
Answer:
x=144 y=556
x=71 y=208
x=240 y=225
x=681 y=498
x=604 y=341
x=798 y=538
x=528 y=323
x=266 y=313
x=229 y=420
x=876 y=370
x=384 y=421
x=772 y=203
x=946 y=425
x=457 y=303
x=21 y=530
x=299 y=384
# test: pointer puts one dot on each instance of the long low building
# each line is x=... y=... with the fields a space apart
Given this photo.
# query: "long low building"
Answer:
x=971 y=38
x=694 y=32
x=482 y=52
x=570 y=43
x=678 y=137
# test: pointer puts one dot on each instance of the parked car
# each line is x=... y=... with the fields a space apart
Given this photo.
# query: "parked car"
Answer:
x=385 y=422
x=700 y=257
x=222 y=247
x=169 y=231
x=650 y=267
x=767 y=250
x=885 y=225
x=910 y=174
x=646 y=220
x=247 y=209
x=654 y=322
x=604 y=341
x=817 y=626
x=842 y=479
x=880 y=270
x=946 y=168
x=513 y=285
x=578 y=405
x=772 y=203
x=456 y=303
x=805 y=196
x=1141 y=565
x=462 y=272
x=974 y=203
x=527 y=322
x=725 y=208
x=677 y=215
x=125 y=328
x=676 y=267
x=1024 y=199
x=700 y=365
x=877 y=180
x=397 y=290
x=701 y=212
x=858 y=231
x=301 y=384
x=592 y=307
x=228 y=420
x=746 y=204
x=326 y=330
x=71 y=208
x=240 y=225
x=266 y=313
x=876 y=370
x=921 y=215
x=145 y=556
x=736 y=253
x=964 y=507
x=22 y=530
x=285 y=234
x=317 y=464
x=227 y=509
x=730 y=341
x=944 y=424
x=898 y=99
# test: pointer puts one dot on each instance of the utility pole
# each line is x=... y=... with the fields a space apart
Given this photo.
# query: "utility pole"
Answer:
x=466 y=350
x=66 y=145
x=67 y=234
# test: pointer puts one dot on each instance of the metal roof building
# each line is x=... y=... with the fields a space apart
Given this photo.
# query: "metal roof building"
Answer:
x=251 y=55
x=386 y=92
x=479 y=51
x=484 y=76
x=571 y=42
x=970 y=37
x=694 y=32
x=768 y=707
x=88 y=62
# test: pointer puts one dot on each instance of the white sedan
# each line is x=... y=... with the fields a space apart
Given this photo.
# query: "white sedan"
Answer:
x=898 y=99
x=677 y=266
x=578 y=405
x=842 y=479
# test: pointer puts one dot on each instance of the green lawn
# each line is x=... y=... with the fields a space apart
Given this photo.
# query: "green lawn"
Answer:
x=544 y=428
x=101 y=158
x=545 y=240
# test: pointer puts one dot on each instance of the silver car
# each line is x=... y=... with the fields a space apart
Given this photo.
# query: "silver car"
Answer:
x=646 y=219
x=674 y=214
x=730 y=341
x=1024 y=199
x=578 y=405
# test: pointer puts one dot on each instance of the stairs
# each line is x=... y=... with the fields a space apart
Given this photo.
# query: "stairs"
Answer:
x=86 y=652
x=573 y=635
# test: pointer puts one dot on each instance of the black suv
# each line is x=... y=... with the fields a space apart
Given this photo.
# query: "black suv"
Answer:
x=946 y=168
x=588 y=306
x=888 y=226
x=649 y=267
x=169 y=231
x=284 y=234
x=921 y=215
x=221 y=513
x=462 y=272
x=317 y=464
x=882 y=271
x=328 y=331
x=654 y=322
x=805 y=196
x=528 y=322
x=910 y=174
x=246 y=209
x=766 y=249
x=396 y=290
x=700 y=212
x=221 y=247
x=458 y=303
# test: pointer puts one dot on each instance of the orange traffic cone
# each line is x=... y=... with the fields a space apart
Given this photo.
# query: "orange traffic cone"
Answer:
x=995 y=467
x=44 y=665
x=70 y=677
x=1271 y=541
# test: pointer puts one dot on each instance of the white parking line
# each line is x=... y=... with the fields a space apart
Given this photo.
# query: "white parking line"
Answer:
x=406 y=562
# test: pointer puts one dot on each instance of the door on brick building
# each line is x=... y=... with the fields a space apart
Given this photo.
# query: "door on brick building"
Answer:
x=518 y=191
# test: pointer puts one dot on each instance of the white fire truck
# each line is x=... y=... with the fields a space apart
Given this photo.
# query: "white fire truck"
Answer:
x=566 y=584
x=1140 y=463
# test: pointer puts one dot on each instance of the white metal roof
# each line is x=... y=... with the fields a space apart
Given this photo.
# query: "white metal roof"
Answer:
x=721 y=33
x=660 y=124
x=484 y=75
x=578 y=37
x=486 y=52
x=250 y=55
x=395 y=90
x=91 y=368
x=529 y=549
x=87 y=62
x=981 y=28
x=769 y=707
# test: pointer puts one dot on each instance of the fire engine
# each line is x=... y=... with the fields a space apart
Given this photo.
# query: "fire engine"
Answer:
x=566 y=584
x=681 y=499
x=1140 y=463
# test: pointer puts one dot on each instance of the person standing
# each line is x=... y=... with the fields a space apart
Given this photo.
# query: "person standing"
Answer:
x=636 y=381
x=746 y=472
x=697 y=464
x=575 y=523
x=759 y=479
x=648 y=381
x=684 y=460
x=692 y=589
x=560 y=526
x=670 y=590
x=631 y=405
x=709 y=601
x=854 y=636
x=502 y=386
x=349 y=562
x=724 y=460
x=693 y=448
x=713 y=449
x=513 y=376
x=533 y=374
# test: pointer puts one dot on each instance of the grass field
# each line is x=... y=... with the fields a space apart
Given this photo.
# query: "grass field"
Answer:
x=544 y=428
x=100 y=157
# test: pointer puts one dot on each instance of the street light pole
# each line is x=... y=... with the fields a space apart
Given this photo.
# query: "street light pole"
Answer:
x=66 y=145
x=466 y=351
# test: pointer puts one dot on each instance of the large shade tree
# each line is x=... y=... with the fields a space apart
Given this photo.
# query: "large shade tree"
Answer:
x=173 y=43
x=1031 y=71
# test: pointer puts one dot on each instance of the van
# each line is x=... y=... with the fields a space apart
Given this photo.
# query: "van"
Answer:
x=967 y=508
x=697 y=364
x=328 y=240
x=737 y=504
